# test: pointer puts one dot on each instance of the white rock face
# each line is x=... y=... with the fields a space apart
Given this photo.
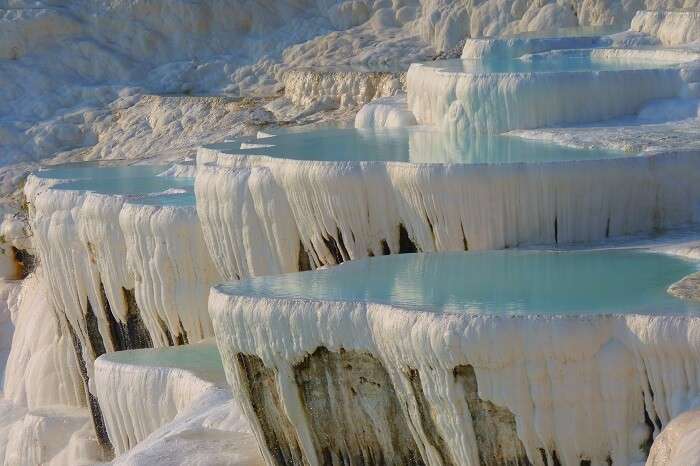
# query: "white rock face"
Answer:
x=153 y=268
x=141 y=390
x=389 y=112
x=340 y=89
x=73 y=79
x=514 y=47
x=171 y=269
x=493 y=103
x=671 y=27
x=53 y=436
x=679 y=442
x=42 y=369
x=258 y=213
x=605 y=381
x=75 y=76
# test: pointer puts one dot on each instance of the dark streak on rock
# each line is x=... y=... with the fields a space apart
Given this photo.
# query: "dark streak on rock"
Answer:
x=279 y=433
x=353 y=411
x=25 y=262
x=494 y=426
x=385 y=248
x=334 y=248
x=93 y=404
x=133 y=333
x=304 y=262
x=93 y=331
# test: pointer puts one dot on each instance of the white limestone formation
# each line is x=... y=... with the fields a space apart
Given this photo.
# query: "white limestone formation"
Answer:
x=514 y=47
x=670 y=27
x=571 y=388
x=264 y=216
x=388 y=112
x=496 y=102
x=341 y=88
x=116 y=272
x=141 y=390
x=678 y=444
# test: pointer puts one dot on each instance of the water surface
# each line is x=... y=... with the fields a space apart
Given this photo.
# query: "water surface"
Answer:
x=414 y=144
x=498 y=282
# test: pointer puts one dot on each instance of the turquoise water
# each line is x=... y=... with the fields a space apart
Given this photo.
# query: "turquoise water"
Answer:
x=418 y=145
x=132 y=180
x=98 y=170
x=545 y=63
x=498 y=282
x=176 y=200
x=200 y=358
x=134 y=185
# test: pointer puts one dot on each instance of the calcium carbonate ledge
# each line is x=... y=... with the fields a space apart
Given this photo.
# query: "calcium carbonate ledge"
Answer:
x=120 y=275
x=496 y=102
x=262 y=215
x=141 y=390
x=327 y=381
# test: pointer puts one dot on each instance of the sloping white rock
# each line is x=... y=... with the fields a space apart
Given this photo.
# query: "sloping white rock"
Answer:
x=671 y=27
x=679 y=443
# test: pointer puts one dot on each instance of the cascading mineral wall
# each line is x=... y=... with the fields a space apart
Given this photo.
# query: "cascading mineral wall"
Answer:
x=265 y=216
x=499 y=102
x=137 y=396
x=559 y=389
x=120 y=280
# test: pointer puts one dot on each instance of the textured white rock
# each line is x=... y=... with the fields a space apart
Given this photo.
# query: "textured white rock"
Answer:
x=97 y=247
x=671 y=27
x=42 y=435
x=340 y=89
x=171 y=270
x=255 y=210
x=495 y=103
x=42 y=369
x=212 y=430
x=577 y=386
x=389 y=112
x=679 y=443
x=137 y=396
x=648 y=131
x=514 y=47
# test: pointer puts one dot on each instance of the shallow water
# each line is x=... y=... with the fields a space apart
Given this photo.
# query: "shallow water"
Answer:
x=110 y=178
x=546 y=63
x=415 y=144
x=98 y=170
x=498 y=282
x=175 y=200
x=201 y=358
x=134 y=185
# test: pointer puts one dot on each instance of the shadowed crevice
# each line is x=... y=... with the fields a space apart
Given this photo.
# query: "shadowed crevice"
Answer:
x=406 y=244
x=131 y=334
